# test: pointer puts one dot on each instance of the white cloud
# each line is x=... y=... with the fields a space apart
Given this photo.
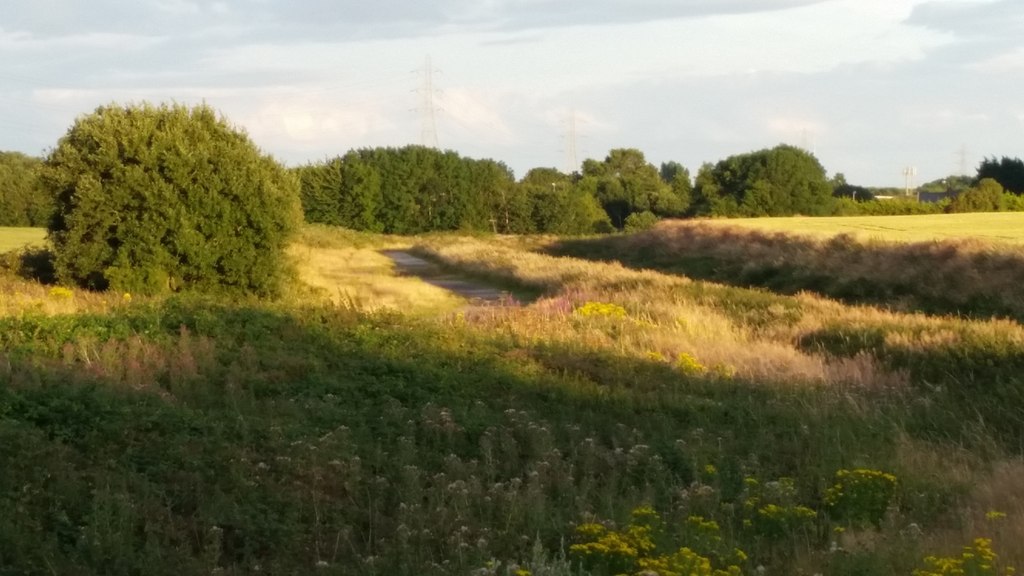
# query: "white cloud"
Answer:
x=1009 y=61
x=868 y=81
x=178 y=7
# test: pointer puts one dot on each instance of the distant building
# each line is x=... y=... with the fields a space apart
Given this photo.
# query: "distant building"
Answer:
x=933 y=197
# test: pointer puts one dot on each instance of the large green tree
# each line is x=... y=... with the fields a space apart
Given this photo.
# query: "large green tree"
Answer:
x=625 y=183
x=410 y=190
x=164 y=198
x=1009 y=172
x=780 y=181
x=23 y=201
x=562 y=205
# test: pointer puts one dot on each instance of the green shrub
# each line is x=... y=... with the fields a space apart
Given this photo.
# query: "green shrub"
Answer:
x=987 y=196
x=164 y=198
x=640 y=221
x=860 y=496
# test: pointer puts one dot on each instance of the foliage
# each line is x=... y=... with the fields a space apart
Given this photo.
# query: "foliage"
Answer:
x=1008 y=172
x=977 y=559
x=987 y=196
x=640 y=221
x=410 y=190
x=559 y=205
x=888 y=207
x=189 y=434
x=601 y=309
x=165 y=198
x=842 y=189
x=781 y=181
x=625 y=183
x=23 y=201
x=771 y=510
x=860 y=496
x=953 y=184
x=634 y=549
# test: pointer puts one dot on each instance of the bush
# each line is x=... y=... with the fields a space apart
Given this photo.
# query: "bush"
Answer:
x=987 y=196
x=165 y=198
x=640 y=221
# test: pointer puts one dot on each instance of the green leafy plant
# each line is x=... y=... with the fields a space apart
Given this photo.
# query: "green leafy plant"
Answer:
x=639 y=221
x=163 y=198
x=860 y=496
x=977 y=559
x=634 y=549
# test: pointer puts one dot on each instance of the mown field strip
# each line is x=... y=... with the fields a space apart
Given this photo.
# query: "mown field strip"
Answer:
x=996 y=226
x=14 y=238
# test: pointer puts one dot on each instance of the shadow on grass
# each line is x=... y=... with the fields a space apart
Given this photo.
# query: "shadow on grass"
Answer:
x=35 y=264
x=193 y=436
x=933 y=278
x=474 y=287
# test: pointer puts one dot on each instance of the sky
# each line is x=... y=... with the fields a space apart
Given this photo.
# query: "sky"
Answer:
x=871 y=87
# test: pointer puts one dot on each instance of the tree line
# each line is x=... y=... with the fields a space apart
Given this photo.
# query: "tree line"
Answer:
x=415 y=189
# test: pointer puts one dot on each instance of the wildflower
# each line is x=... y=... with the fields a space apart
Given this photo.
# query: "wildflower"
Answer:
x=601 y=309
x=688 y=364
x=995 y=515
x=61 y=293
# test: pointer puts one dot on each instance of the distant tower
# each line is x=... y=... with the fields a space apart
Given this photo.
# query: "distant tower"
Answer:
x=961 y=156
x=428 y=123
x=571 y=162
x=807 y=141
x=908 y=178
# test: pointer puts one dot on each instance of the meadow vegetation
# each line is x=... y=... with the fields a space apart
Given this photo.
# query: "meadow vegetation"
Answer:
x=626 y=421
x=945 y=272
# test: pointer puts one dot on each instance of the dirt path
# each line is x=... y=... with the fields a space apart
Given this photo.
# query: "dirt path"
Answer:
x=407 y=264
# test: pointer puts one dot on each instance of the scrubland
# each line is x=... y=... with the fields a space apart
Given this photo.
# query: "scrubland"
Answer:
x=628 y=418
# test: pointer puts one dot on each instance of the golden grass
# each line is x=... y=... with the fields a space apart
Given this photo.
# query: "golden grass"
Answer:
x=949 y=275
x=991 y=226
x=365 y=278
x=15 y=238
x=21 y=296
x=663 y=324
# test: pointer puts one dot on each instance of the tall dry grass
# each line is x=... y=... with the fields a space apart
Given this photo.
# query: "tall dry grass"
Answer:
x=19 y=297
x=965 y=276
x=668 y=318
x=364 y=278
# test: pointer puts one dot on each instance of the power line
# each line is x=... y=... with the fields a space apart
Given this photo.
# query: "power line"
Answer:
x=571 y=162
x=961 y=155
x=428 y=120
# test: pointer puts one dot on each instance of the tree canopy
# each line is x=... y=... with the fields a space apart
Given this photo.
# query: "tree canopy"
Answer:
x=1008 y=172
x=625 y=183
x=164 y=198
x=780 y=181
x=23 y=201
x=416 y=189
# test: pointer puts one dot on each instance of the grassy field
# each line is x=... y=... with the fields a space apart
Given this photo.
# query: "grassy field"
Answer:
x=625 y=422
x=972 y=275
x=995 y=226
x=14 y=238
